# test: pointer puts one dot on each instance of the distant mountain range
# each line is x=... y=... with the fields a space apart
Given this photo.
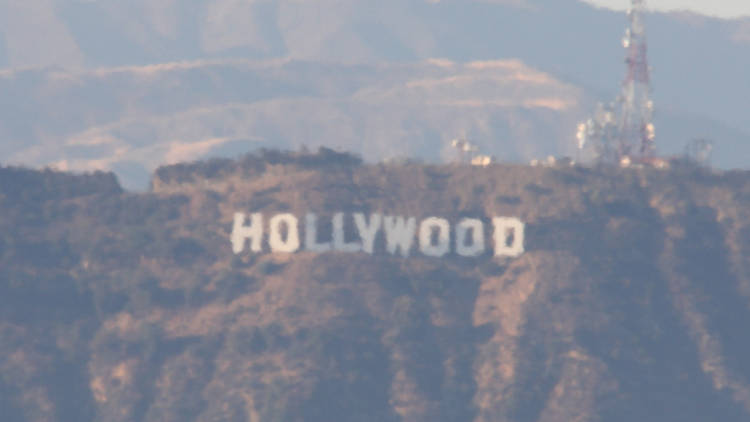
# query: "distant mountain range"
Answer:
x=130 y=85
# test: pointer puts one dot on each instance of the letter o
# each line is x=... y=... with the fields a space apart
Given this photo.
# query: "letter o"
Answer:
x=425 y=237
x=476 y=227
x=291 y=243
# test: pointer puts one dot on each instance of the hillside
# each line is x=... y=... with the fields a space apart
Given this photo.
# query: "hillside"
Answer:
x=132 y=119
x=630 y=302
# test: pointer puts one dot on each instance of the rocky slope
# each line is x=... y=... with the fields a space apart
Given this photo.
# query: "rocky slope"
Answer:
x=631 y=301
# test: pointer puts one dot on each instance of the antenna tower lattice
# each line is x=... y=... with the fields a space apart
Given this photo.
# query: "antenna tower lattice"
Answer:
x=636 y=128
x=624 y=129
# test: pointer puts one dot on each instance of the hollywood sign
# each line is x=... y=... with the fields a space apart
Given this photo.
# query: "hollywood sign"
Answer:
x=432 y=236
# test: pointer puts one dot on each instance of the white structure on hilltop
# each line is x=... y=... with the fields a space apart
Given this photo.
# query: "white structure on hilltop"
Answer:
x=624 y=129
x=469 y=153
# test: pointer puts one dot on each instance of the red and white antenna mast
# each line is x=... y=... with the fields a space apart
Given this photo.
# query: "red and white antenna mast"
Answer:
x=623 y=130
x=636 y=128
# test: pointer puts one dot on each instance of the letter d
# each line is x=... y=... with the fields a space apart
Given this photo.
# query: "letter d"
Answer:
x=505 y=230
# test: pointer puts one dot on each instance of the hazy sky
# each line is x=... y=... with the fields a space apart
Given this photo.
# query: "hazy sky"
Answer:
x=723 y=8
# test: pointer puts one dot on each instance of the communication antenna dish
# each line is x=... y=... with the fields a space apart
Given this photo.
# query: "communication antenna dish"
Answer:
x=699 y=151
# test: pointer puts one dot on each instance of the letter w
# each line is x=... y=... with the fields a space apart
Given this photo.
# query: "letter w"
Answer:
x=399 y=234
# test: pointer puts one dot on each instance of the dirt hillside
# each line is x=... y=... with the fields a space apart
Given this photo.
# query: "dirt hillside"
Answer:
x=630 y=302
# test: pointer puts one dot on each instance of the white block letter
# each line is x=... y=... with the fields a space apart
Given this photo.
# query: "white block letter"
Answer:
x=339 y=243
x=368 y=231
x=476 y=228
x=291 y=243
x=241 y=232
x=399 y=233
x=311 y=235
x=443 y=244
x=506 y=228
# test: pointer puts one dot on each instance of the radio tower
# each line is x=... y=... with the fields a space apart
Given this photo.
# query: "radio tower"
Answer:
x=635 y=125
x=623 y=131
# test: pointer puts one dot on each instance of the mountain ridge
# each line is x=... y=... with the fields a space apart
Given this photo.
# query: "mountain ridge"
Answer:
x=698 y=78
